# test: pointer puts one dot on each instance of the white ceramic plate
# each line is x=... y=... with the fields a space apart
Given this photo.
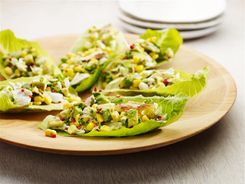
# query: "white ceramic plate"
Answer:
x=158 y=25
x=177 y=11
x=185 y=34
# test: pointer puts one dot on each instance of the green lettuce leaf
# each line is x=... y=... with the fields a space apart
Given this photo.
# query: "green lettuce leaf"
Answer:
x=10 y=43
x=173 y=106
x=120 y=43
x=189 y=85
x=168 y=38
x=7 y=105
x=88 y=82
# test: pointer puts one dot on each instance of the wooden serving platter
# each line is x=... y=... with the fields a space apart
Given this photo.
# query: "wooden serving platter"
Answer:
x=201 y=112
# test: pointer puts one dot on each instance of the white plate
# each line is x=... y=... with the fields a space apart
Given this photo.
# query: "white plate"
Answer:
x=158 y=25
x=185 y=34
x=178 y=11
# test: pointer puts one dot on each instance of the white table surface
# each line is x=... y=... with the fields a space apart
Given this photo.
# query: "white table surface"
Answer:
x=214 y=156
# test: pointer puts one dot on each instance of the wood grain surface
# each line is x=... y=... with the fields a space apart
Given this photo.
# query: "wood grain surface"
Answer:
x=201 y=112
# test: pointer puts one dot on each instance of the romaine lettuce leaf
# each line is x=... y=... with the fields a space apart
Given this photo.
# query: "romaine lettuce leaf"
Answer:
x=7 y=105
x=168 y=38
x=189 y=85
x=86 y=41
x=172 y=106
x=10 y=43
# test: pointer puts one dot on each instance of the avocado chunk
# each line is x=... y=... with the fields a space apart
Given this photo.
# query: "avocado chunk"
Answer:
x=133 y=118
x=106 y=115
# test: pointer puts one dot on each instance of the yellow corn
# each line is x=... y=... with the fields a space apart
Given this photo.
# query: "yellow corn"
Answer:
x=154 y=55
x=48 y=89
x=90 y=126
x=17 y=73
x=94 y=106
x=69 y=72
x=99 y=118
x=145 y=118
x=136 y=59
x=50 y=133
x=105 y=128
x=139 y=68
x=8 y=70
x=47 y=100
x=67 y=105
x=29 y=58
x=136 y=83
x=38 y=99
x=78 y=68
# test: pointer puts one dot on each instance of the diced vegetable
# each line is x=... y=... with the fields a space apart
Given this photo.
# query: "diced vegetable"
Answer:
x=118 y=116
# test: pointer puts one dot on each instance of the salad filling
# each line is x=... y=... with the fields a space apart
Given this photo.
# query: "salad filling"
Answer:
x=150 y=79
x=105 y=38
x=24 y=63
x=159 y=82
x=23 y=58
x=107 y=114
x=148 y=52
x=81 y=66
x=39 y=91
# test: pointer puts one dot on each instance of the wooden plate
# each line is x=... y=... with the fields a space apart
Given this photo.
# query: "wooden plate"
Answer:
x=201 y=112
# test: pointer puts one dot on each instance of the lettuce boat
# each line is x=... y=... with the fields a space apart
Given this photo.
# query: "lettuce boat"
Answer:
x=90 y=54
x=22 y=58
x=40 y=93
x=115 y=116
x=151 y=50
x=159 y=82
x=83 y=68
x=106 y=38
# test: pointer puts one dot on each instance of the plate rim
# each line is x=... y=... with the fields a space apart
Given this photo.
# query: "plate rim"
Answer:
x=124 y=17
x=187 y=35
x=121 y=7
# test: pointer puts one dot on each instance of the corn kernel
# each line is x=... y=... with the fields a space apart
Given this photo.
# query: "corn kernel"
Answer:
x=67 y=105
x=94 y=106
x=17 y=73
x=99 y=118
x=8 y=70
x=69 y=72
x=136 y=83
x=139 y=68
x=145 y=118
x=38 y=99
x=29 y=58
x=50 y=133
x=47 y=100
x=78 y=68
x=136 y=59
x=154 y=55
x=105 y=128
x=90 y=126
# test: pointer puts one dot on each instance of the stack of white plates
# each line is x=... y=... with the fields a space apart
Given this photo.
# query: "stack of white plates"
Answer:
x=193 y=18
